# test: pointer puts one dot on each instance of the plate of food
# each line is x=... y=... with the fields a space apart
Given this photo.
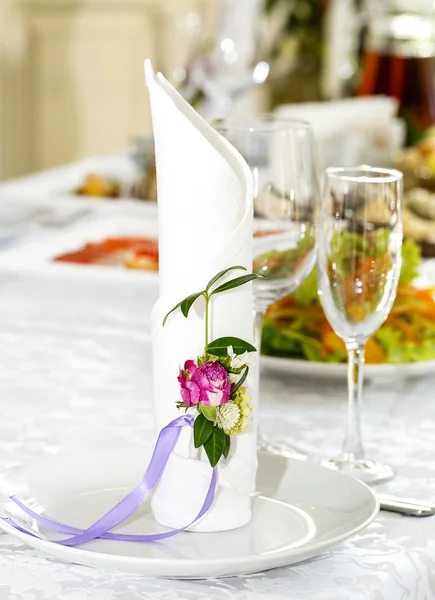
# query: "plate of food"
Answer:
x=139 y=253
x=298 y=339
x=100 y=180
x=135 y=179
x=417 y=163
x=97 y=185
x=108 y=245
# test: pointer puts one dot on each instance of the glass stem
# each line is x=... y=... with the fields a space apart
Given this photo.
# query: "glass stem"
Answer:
x=258 y=329
x=352 y=447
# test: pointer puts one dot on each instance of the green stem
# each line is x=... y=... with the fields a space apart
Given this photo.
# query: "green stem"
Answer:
x=207 y=300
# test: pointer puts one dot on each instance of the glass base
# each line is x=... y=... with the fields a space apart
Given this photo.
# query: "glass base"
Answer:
x=367 y=471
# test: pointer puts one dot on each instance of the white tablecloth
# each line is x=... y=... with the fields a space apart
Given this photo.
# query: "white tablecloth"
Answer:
x=74 y=371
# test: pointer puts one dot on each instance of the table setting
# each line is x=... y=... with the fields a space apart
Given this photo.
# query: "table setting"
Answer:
x=149 y=451
x=48 y=414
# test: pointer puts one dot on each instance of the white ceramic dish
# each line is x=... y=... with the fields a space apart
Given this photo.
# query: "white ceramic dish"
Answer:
x=304 y=368
x=37 y=253
x=59 y=183
x=300 y=510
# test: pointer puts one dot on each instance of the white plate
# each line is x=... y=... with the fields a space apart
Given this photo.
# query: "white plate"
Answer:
x=60 y=182
x=301 y=510
x=293 y=366
x=38 y=254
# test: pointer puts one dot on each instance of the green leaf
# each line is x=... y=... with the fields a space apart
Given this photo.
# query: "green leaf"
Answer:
x=221 y=274
x=237 y=282
x=186 y=304
x=171 y=311
x=209 y=412
x=202 y=430
x=227 y=446
x=215 y=445
x=219 y=347
x=241 y=381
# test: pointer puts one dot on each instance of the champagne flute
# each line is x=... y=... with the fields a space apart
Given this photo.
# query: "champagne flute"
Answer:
x=360 y=240
x=282 y=157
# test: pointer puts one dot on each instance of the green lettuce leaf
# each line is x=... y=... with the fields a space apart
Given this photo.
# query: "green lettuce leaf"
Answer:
x=411 y=259
x=306 y=293
x=277 y=344
x=399 y=352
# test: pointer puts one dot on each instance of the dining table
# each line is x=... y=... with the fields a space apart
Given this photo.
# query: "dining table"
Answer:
x=75 y=374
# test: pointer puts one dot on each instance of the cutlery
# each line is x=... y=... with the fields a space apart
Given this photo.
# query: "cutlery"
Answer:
x=406 y=506
x=51 y=219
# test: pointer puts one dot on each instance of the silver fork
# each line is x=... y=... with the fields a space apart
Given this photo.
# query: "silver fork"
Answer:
x=51 y=219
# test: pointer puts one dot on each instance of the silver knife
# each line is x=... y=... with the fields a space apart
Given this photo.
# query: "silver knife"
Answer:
x=406 y=506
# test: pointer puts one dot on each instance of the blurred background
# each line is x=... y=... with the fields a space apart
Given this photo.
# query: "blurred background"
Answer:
x=72 y=84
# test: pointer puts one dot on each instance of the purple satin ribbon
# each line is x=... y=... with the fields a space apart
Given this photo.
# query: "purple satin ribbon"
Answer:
x=130 y=503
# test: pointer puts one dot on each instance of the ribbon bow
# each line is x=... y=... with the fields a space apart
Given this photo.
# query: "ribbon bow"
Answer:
x=166 y=441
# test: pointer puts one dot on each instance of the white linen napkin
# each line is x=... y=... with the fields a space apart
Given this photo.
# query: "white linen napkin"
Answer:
x=205 y=194
x=352 y=131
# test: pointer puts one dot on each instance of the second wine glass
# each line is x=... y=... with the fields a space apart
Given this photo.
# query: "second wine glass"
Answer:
x=360 y=240
x=282 y=157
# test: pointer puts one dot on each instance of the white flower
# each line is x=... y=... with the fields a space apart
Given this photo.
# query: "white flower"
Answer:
x=228 y=415
x=240 y=360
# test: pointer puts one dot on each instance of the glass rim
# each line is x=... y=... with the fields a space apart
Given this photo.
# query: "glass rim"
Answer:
x=289 y=124
x=383 y=175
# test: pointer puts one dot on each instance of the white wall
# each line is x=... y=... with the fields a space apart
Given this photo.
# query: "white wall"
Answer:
x=71 y=76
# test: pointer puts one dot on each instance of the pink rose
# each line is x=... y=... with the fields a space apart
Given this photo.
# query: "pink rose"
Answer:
x=213 y=383
x=190 y=391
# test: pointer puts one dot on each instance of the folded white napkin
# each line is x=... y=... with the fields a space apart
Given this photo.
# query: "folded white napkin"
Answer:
x=352 y=131
x=205 y=225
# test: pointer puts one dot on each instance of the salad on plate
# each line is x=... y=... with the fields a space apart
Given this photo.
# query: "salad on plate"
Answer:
x=296 y=327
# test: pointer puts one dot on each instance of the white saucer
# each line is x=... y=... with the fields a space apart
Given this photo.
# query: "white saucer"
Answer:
x=301 y=510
